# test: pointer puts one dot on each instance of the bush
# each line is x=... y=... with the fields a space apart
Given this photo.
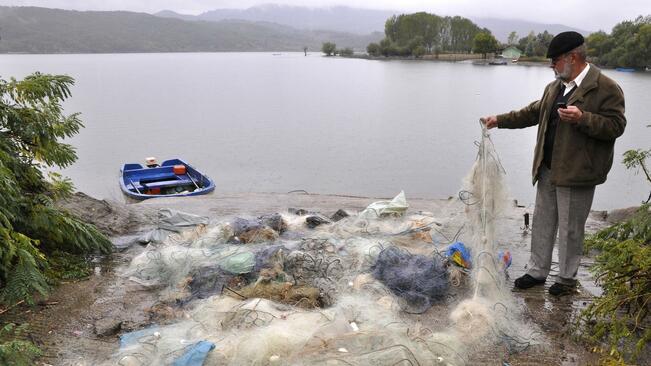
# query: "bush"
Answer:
x=31 y=124
x=346 y=52
x=329 y=48
x=623 y=269
x=16 y=352
x=373 y=49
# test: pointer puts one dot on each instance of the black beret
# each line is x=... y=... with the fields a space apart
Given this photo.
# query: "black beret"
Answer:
x=564 y=42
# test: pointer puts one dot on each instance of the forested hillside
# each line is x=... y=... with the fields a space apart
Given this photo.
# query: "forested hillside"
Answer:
x=41 y=30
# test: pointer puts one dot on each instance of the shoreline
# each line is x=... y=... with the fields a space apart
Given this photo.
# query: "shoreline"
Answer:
x=468 y=58
x=462 y=58
x=81 y=319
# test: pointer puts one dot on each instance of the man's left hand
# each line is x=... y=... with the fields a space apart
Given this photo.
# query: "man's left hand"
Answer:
x=570 y=114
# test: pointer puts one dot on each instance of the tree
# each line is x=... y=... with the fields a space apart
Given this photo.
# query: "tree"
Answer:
x=373 y=49
x=541 y=43
x=628 y=45
x=620 y=316
x=405 y=27
x=329 y=48
x=435 y=33
x=512 y=39
x=31 y=124
x=598 y=43
x=484 y=43
x=387 y=48
x=346 y=52
x=526 y=44
x=462 y=32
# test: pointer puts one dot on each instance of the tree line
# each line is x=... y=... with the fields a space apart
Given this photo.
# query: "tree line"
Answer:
x=330 y=49
x=628 y=44
x=41 y=30
x=423 y=33
x=414 y=35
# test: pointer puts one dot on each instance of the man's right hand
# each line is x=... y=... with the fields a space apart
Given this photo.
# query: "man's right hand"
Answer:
x=490 y=121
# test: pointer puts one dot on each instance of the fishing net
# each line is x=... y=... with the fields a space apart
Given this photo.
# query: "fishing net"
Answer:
x=420 y=280
x=362 y=289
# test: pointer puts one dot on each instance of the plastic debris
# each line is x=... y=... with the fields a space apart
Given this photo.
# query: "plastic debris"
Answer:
x=504 y=256
x=459 y=255
x=207 y=281
x=340 y=214
x=396 y=207
x=132 y=338
x=171 y=222
x=238 y=263
x=420 y=280
x=315 y=220
x=297 y=211
x=196 y=355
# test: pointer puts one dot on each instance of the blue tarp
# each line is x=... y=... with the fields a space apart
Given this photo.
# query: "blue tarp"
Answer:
x=128 y=339
x=195 y=355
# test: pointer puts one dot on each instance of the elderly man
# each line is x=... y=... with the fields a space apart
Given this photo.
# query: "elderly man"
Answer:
x=579 y=117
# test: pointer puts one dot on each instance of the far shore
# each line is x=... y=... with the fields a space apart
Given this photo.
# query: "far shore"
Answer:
x=475 y=59
x=457 y=57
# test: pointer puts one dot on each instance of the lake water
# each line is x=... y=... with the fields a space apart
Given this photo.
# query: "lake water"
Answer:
x=257 y=122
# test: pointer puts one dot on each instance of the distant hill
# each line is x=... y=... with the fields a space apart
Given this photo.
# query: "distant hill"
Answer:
x=42 y=30
x=354 y=20
x=338 y=18
x=501 y=28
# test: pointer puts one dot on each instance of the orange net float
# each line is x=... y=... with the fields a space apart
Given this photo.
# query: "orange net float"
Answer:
x=179 y=169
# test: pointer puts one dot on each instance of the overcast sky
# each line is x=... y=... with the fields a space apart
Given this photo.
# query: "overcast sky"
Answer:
x=585 y=14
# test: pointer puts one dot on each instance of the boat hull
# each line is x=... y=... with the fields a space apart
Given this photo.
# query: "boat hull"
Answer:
x=140 y=183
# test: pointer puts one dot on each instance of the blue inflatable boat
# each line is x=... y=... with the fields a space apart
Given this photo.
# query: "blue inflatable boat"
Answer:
x=173 y=178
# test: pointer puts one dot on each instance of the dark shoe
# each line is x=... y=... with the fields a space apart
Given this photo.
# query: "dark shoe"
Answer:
x=561 y=289
x=527 y=281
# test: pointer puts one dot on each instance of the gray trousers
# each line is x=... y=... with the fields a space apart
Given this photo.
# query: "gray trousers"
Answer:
x=563 y=210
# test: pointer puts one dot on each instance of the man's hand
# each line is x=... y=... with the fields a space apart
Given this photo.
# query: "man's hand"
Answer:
x=490 y=121
x=570 y=114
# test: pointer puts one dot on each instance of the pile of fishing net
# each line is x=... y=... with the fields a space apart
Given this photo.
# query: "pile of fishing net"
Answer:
x=419 y=280
x=371 y=288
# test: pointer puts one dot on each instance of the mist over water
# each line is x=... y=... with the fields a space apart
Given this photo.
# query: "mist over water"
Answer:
x=257 y=122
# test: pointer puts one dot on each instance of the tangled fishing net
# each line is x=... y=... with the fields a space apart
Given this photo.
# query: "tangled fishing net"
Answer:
x=365 y=289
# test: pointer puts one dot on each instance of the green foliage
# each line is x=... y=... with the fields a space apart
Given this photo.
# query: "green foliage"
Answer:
x=15 y=352
x=32 y=125
x=628 y=45
x=373 y=49
x=420 y=33
x=65 y=267
x=484 y=43
x=388 y=48
x=513 y=38
x=623 y=269
x=636 y=159
x=535 y=45
x=41 y=30
x=329 y=48
x=346 y=52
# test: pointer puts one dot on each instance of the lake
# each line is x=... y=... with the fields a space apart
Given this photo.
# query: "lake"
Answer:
x=259 y=122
